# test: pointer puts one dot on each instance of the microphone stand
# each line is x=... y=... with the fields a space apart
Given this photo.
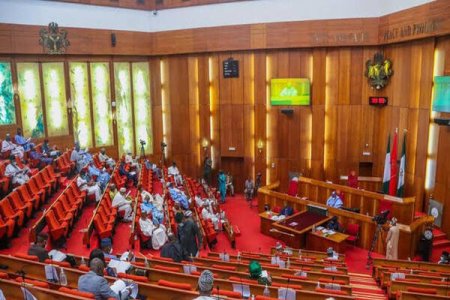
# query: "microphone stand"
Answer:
x=287 y=289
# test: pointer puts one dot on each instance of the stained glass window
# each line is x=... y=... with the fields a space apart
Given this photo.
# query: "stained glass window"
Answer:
x=123 y=107
x=30 y=99
x=81 y=111
x=7 y=108
x=55 y=99
x=101 y=98
x=142 y=106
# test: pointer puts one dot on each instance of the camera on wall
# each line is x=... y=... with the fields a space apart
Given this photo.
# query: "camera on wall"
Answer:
x=142 y=142
x=381 y=218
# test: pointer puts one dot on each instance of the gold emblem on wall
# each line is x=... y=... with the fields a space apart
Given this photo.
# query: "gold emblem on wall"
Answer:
x=53 y=39
x=378 y=71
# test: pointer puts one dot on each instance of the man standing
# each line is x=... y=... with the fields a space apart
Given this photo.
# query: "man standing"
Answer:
x=207 y=168
x=248 y=190
x=392 y=240
x=173 y=249
x=123 y=204
x=222 y=186
x=77 y=157
x=230 y=185
x=189 y=235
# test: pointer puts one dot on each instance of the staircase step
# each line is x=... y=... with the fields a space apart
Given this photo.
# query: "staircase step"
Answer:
x=441 y=243
x=439 y=236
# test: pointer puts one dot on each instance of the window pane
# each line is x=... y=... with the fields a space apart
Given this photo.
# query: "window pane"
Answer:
x=7 y=108
x=142 y=106
x=55 y=99
x=101 y=98
x=123 y=107
x=81 y=111
x=30 y=99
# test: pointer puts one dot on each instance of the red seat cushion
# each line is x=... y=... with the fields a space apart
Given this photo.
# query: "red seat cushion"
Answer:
x=327 y=291
x=230 y=294
x=26 y=256
x=4 y=275
x=175 y=285
x=76 y=293
x=164 y=268
x=422 y=290
x=228 y=268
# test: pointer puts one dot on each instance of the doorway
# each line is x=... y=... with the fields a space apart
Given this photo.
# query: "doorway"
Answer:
x=234 y=165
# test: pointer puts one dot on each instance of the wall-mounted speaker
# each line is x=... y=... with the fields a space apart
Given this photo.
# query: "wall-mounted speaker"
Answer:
x=113 y=39
x=287 y=111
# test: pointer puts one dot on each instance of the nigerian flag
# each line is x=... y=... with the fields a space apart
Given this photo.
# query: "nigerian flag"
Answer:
x=387 y=168
x=401 y=170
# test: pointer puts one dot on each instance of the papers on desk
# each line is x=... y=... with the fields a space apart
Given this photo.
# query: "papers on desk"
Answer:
x=293 y=224
x=120 y=287
x=57 y=255
x=224 y=256
x=27 y=295
x=395 y=276
x=2 y=297
x=286 y=293
x=51 y=274
x=126 y=255
x=243 y=289
x=120 y=266
x=278 y=218
x=188 y=269
x=320 y=228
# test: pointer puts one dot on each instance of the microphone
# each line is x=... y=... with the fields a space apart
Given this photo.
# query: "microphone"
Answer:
x=287 y=288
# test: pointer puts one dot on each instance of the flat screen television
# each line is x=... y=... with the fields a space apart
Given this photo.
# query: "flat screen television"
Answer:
x=290 y=91
x=441 y=98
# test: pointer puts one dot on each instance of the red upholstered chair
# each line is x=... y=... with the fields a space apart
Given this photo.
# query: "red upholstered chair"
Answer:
x=164 y=268
x=259 y=297
x=175 y=285
x=34 y=189
x=227 y=268
x=48 y=180
x=353 y=232
x=61 y=214
x=19 y=204
x=283 y=285
x=41 y=184
x=137 y=278
x=8 y=212
x=37 y=283
x=26 y=256
x=83 y=268
x=427 y=291
x=25 y=194
x=64 y=264
x=6 y=227
x=103 y=230
x=106 y=219
x=57 y=230
x=230 y=294
x=4 y=275
x=76 y=293
x=328 y=291
x=74 y=205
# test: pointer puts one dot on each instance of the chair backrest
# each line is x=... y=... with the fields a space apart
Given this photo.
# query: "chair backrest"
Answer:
x=15 y=199
x=59 y=210
x=353 y=229
x=24 y=192
x=51 y=220
x=6 y=207
x=65 y=202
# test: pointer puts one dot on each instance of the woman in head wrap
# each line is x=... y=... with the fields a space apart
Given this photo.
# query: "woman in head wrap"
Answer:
x=256 y=272
x=205 y=285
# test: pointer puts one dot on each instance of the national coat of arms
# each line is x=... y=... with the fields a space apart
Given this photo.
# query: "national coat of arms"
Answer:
x=53 y=39
x=378 y=71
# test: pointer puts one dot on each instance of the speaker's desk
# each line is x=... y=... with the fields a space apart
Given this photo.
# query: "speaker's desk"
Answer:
x=293 y=229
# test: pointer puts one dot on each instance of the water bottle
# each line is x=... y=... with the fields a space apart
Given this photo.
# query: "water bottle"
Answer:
x=288 y=263
x=62 y=278
x=300 y=253
x=83 y=262
x=266 y=292
x=239 y=256
x=318 y=285
x=147 y=265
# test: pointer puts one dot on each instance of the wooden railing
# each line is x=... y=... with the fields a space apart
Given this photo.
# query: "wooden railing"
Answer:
x=366 y=183
x=368 y=202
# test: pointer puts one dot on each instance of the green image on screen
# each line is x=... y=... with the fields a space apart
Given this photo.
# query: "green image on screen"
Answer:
x=290 y=91
x=441 y=99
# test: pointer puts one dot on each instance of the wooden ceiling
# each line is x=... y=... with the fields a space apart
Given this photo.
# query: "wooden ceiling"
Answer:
x=148 y=4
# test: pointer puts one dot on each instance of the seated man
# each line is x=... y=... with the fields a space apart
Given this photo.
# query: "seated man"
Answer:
x=7 y=145
x=151 y=206
x=173 y=171
x=334 y=200
x=130 y=175
x=133 y=162
x=122 y=202
x=42 y=159
x=22 y=141
x=229 y=184
x=49 y=151
x=102 y=176
x=106 y=159
x=38 y=248
x=154 y=168
x=17 y=175
x=147 y=227
x=333 y=224
x=286 y=210
x=444 y=259
x=173 y=249
x=78 y=157
x=207 y=214
x=94 y=282
x=112 y=190
x=159 y=237
x=198 y=200
x=106 y=246
x=85 y=183
x=179 y=197
x=205 y=286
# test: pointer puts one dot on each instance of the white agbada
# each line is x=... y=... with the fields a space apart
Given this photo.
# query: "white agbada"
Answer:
x=91 y=189
x=146 y=226
x=10 y=146
x=123 y=204
x=159 y=237
x=208 y=215
x=173 y=171
x=106 y=159
x=17 y=174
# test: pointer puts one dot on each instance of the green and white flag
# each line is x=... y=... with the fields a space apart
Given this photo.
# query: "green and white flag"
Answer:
x=387 y=168
x=401 y=170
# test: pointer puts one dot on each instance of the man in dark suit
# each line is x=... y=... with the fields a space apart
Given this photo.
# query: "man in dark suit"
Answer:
x=38 y=248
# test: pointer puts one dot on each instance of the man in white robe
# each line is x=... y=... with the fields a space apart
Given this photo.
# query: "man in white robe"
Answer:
x=17 y=174
x=207 y=214
x=159 y=237
x=104 y=158
x=146 y=225
x=16 y=150
x=173 y=171
x=392 y=240
x=134 y=163
x=90 y=186
x=123 y=204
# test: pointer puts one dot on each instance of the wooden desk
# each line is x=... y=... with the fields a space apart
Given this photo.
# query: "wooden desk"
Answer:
x=317 y=241
x=297 y=226
x=266 y=222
